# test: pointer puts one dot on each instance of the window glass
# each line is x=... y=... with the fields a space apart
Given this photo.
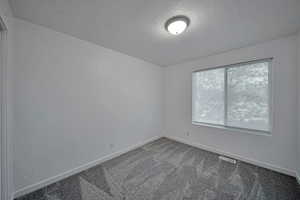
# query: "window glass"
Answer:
x=248 y=96
x=208 y=96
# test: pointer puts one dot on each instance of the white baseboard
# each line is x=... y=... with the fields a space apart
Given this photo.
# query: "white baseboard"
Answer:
x=251 y=161
x=51 y=180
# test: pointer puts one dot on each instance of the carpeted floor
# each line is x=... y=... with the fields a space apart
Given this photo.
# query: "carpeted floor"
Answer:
x=168 y=170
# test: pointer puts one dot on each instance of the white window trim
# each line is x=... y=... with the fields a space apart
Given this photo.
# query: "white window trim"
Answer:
x=4 y=177
x=239 y=129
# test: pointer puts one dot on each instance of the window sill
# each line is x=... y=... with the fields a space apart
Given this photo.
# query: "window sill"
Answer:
x=233 y=129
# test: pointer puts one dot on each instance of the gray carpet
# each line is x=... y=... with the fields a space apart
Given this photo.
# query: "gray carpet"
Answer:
x=168 y=170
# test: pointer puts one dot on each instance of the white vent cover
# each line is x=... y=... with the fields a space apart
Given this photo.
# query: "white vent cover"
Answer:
x=226 y=159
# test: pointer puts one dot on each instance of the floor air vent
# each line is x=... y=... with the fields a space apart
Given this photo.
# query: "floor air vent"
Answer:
x=226 y=159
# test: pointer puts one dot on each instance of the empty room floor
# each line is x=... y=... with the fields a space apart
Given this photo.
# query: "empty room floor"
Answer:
x=169 y=170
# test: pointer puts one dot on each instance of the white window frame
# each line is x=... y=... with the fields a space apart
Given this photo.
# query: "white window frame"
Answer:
x=4 y=188
x=270 y=97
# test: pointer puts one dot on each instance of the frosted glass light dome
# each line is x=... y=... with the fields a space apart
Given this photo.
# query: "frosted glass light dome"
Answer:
x=177 y=25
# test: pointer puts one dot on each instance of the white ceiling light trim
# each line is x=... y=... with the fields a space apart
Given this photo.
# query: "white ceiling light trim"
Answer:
x=177 y=25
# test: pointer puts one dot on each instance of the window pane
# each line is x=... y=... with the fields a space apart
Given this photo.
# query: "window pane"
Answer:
x=248 y=96
x=208 y=96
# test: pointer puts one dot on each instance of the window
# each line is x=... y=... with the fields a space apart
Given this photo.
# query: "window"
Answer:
x=234 y=96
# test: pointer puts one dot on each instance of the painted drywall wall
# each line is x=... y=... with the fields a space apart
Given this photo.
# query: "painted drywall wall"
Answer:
x=76 y=102
x=5 y=9
x=277 y=150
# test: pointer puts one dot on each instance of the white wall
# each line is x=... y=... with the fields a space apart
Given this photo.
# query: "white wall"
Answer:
x=5 y=9
x=73 y=99
x=278 y=150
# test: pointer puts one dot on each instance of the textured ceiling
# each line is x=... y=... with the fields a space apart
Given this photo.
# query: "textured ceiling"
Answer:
x=136 y=27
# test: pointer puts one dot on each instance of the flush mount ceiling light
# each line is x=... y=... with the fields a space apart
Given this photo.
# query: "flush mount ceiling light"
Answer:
x=177 y=25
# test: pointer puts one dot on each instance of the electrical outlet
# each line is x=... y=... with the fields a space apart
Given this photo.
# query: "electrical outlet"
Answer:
x=187 y=133
x=111 y=146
